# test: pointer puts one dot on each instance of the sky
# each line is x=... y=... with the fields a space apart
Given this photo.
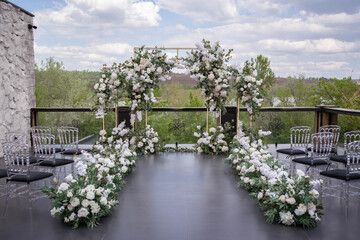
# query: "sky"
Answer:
x=311 y=38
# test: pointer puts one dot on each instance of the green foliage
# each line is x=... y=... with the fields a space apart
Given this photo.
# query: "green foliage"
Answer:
x=263 y=70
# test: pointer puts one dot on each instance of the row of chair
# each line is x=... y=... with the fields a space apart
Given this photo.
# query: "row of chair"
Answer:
x=323 y=152
x=25 y=167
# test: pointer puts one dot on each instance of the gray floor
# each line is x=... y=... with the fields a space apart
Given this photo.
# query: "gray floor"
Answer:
x=179 y=196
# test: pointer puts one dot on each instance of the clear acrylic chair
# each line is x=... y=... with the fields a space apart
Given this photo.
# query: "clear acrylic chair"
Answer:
x=321 y=145
x=351 y=136
x=17 y=137
x=299 y=141
x=346 y=175
x=19 y=171
x=69 y=140
x=335 y=129
x=41 y=129
x=46 y=155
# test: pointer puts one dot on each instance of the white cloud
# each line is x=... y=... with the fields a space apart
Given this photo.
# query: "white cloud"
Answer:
x=90 y=57
x=100 y=14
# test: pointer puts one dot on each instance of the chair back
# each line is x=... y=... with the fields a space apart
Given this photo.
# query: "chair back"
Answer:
x=44 y=144
x=335 y=129
x=353 y=157
x=17 y=158
x=40 y=129
x=299 y=137
x=17 y=137
x=351 y=136
x=69 y=138
x=321 y=144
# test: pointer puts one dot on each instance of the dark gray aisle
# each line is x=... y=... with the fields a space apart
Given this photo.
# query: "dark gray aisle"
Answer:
x=178 y=196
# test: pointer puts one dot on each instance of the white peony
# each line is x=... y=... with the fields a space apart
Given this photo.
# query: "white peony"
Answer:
x=90 y=195
x=75 y=202
x=286 y=218
x=301 y=209
x=83 y=212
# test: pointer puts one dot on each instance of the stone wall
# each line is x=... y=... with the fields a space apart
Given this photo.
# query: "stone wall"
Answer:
x=17 y=78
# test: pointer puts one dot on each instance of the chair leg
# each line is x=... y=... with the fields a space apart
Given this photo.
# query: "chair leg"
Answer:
x=292 y=168
x=7 y=198
x=29 y=196
x=347 y=199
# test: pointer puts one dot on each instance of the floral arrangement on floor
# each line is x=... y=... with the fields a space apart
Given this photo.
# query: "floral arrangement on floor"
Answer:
x=146 y=141
x=249 y=88
x=92 y=193
x=212 y=142
x=208 y=67
x=142 y=75
x=290 y=200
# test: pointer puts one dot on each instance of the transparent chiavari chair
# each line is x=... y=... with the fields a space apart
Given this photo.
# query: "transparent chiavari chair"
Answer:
x=299 y=140
x=321 y=144
x=335 y=129
x=46 y=155
x=41 y=129
x=19 y=171
x=346 y=175
x=17 y=137
x=69 y=139
x=351 y=136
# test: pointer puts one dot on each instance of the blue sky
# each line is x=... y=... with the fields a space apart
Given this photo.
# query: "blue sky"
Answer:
x=301 y=37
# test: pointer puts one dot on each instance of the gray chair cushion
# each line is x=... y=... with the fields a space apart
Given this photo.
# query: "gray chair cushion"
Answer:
x=308 y=161
x=58 y=162
x=340 y=174
x=290 y=151
x=3 y=173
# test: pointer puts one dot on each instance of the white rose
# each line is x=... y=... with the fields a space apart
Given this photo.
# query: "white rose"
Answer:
x=260 y=195
x=69 y=194
x=282 y=198
x=301 y=209
x=75 y=202
x=83 y=212
x=90 y=195
x=102 y=133
x=90 y=187
x=103 y=200
x=314 y=193
x=140 y=144
x=85 y=203
x=70 y=207
x=124 y=169
x=311 y=207
x=291 y=200
x=69 y=178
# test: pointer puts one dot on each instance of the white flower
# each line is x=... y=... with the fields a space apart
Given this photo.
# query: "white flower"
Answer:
x=102 y=133
x=69 y=178
x=95 y=208
x=90 y=195
x=90 y=187
x=300 y=173
x=63 y=187
x=155 y=140
x=213 y=130
x=124 y=169
x=75 y=202
x=85 y=203
x=140 y=144
x=69 y=194
x=72 y=216
x=286 y=218
x=199 y=149
x=53 y=211
x=314 y=193
x=70 y=208
x=103 y=200
x=282 y=198
x=301 y=209
x=83 y=212
x=260 y=195
x=291 y=200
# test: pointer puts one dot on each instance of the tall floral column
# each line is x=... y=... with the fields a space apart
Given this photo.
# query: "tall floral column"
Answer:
x=249 y=91
x=208 y=67
x=143 y=74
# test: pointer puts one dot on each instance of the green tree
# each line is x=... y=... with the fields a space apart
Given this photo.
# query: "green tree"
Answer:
x=263 y=70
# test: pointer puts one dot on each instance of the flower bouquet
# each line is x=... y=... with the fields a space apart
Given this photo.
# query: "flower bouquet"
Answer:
x=212 y=142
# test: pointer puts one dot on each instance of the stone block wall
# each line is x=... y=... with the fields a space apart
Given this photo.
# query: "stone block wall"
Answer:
x=17 y=77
